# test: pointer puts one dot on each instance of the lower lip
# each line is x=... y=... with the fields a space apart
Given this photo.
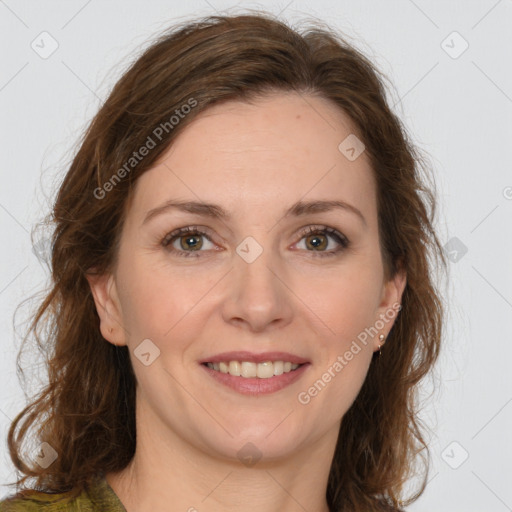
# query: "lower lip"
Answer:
x=254 y=385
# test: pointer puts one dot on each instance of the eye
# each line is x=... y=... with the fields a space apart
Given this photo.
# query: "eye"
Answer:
x=186 y=241
x=189 y=241
x=317 y=240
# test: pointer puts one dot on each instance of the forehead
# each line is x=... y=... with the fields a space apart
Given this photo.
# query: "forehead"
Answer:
x=277 y=150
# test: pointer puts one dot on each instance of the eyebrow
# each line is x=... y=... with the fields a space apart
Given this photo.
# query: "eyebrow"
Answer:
x=215 y=211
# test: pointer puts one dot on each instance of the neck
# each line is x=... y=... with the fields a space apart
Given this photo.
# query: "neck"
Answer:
x=168 y=470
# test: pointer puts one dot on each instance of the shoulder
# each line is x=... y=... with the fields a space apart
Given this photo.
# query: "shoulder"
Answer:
x=30 y=500
x=97 y=496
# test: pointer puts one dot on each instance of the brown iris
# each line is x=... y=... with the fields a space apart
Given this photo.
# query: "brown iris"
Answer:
x=194 y=242
x=317 y=243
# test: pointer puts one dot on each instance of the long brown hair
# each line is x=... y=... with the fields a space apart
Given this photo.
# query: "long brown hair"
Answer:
x=86 y=413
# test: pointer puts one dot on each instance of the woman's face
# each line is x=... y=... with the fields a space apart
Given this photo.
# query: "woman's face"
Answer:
x=253 y=280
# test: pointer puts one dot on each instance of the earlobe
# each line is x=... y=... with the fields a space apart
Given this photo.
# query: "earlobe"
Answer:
x=391 y=302
x=103 y=289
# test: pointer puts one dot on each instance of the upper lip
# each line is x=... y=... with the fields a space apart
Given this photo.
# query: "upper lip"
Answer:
x=254 y=357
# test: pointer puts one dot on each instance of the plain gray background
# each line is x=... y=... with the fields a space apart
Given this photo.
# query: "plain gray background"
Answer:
x=455 y=101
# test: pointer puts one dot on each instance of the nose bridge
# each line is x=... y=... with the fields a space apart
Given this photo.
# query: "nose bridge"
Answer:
x=256 y=295
x=252 y=267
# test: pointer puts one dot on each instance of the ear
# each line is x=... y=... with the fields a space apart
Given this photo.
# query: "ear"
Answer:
x=390 y=304
x=104 y=291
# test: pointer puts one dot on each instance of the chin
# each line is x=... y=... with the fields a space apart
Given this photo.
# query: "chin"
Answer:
x=260 y=442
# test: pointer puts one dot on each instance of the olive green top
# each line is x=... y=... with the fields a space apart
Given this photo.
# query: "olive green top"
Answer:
x=99 y=497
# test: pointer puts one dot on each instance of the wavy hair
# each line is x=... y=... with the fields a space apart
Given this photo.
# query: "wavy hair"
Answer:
x=86 y=411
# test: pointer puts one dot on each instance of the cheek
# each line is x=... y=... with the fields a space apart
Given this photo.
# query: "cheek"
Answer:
x=346 y=354
x=157 y=302
x=348 y=301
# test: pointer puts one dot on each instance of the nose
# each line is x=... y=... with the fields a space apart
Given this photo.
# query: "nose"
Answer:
x=257 y=298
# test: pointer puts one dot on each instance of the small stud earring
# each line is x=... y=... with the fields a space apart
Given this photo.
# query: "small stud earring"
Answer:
x=381 y=338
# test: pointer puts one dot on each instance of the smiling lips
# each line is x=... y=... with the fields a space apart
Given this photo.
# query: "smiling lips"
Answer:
x=254 y=374
x=255 y=385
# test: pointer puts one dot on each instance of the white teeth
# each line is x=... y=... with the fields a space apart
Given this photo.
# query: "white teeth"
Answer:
x=265 y=370
x=249 y=369
x=278 y=368
x=234 y=368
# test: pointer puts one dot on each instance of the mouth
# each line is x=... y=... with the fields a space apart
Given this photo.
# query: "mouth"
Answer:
x=261 y=374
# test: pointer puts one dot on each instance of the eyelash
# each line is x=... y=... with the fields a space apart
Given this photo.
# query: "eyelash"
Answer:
x=341 y=239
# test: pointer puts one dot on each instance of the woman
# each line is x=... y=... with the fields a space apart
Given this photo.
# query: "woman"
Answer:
x=242 y=304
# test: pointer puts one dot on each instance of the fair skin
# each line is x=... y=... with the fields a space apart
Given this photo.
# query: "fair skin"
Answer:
x=254 y=161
